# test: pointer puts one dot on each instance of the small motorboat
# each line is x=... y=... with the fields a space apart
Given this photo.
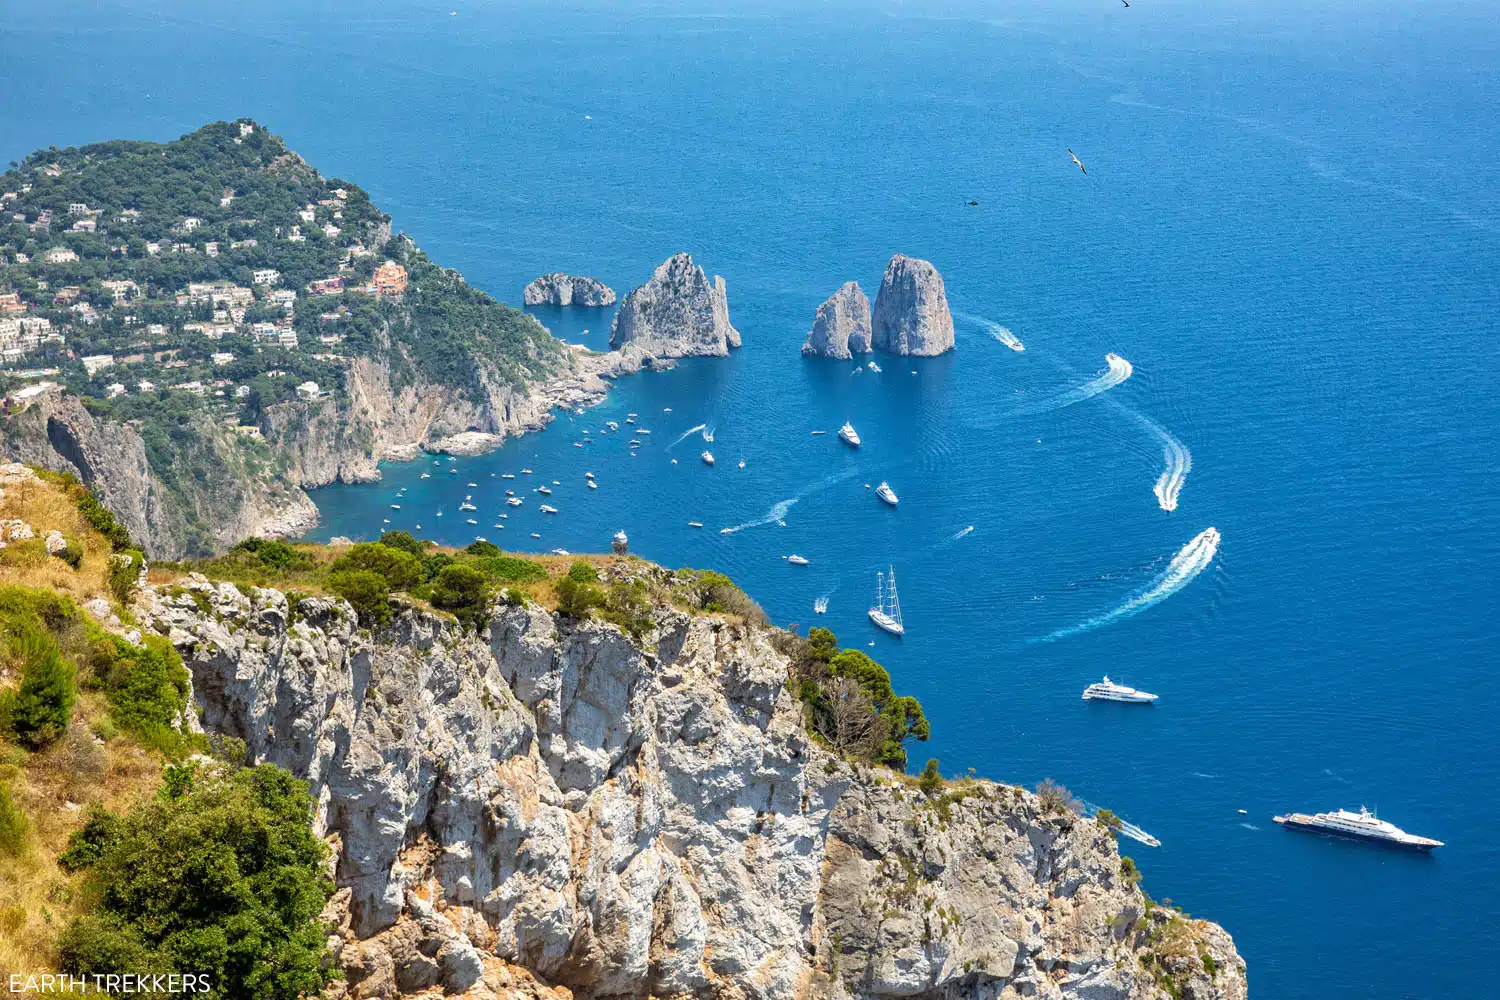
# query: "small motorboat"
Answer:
x=708 y=458
x=796 y=560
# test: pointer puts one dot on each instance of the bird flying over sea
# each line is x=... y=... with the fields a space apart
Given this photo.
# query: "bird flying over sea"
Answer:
x=1078 y=161
x=1125 y=2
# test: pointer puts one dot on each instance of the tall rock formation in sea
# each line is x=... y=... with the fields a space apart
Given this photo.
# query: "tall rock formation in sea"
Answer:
x=841 y=327
x=558 y=289
x=911 y=310
x=551 y=802
x=679 y=313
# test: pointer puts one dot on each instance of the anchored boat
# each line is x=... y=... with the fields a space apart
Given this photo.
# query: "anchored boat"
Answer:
x=886 y=612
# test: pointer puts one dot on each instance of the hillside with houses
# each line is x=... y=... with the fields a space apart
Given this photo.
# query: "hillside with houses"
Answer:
x=223 y=302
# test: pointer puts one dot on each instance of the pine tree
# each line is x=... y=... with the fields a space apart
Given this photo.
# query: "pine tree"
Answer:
x=44 y=702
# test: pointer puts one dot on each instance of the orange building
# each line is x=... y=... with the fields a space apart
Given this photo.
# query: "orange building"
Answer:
x=390 y=279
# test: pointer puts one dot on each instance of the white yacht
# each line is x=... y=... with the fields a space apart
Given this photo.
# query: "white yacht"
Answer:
x=816 y=433
x=708 y=458
x=1362 y=825
x=426 y=475
x=742 y=463
x=545 y=509
x=507 y=475
x=642 y=430
x=1108 y=690
x=395 y=506
x=849 y=434
x=525 y=472
x=471 y=520
x=872 y=366
x=473 y=486
x=884 y=492
x=796 y=560
x=467 y=506
x=592 y=485
x=514 y=501
x=695 y=524
x=886 y=612
x=588 y=475
x=544 y=489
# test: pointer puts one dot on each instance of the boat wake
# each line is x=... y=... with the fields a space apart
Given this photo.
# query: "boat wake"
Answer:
x=995 y=330
x=685 y=435
x=1118 y=371
x=820 y=605
x=776 y=514
x=1192 y=559
x=1177 y=462
x=961 y=533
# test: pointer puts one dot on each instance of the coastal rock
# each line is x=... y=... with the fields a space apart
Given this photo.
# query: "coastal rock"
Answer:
x=551 y=798
x=56 y=543
x=558 y=289
x=679 y=313
x=911 y=310
x=841 y=327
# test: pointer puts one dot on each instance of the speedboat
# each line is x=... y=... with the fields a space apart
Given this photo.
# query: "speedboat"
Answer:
x=708 y=458
x=472 y=521
x=796 y=560
x=547 y=510
x=507 y=475
x=849 y=434
x=395 y=506
x=544 y=489
x=742 y=463
x=525 y=472
x=467 y=506
x=588 y=475
x=426 y=475
x=592 y=485
x=695 y=524
x=1108 y=690
x=474 y=486
x=884 y=492
x=514 y=501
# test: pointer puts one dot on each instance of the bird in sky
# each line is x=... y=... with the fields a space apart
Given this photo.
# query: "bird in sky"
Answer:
x=1125 y=2
x=1078 y=161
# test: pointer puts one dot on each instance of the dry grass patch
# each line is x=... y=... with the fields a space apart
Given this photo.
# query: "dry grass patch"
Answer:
x=27 y=563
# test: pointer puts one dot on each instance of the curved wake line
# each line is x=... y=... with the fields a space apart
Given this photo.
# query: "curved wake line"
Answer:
x=1192 y=559
x=995 y=330
x=1118 y=371
x=685 y=435
x=1177 y=462
x=778 y=510
x=961 y=533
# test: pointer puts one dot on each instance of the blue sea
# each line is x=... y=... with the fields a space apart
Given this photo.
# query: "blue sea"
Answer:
x=1288 y=229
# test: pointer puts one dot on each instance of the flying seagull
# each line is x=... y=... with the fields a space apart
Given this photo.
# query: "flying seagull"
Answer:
x=1078 y=161
x=1125 y=2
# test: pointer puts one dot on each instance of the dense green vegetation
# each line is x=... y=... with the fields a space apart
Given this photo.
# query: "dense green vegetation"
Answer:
x=850 y=703
x=219 y=875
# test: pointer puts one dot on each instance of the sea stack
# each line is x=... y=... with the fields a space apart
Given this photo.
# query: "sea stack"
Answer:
x=841 y=327
x=558 y=289
x=911 y=310
x=679 y=313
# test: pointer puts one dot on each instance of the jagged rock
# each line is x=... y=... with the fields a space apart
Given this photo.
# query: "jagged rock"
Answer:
x=841 y=327
x=98 y=607
x=650 y=818
x=340 y=540
x=56 y=543
x=679 y=313
x=560 y=289
x=15 y=530
x=911 y=310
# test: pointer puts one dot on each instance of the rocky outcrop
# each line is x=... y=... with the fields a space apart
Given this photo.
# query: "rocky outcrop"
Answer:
x=911 y=310
x=549 y=802
x=841 y=327
x=558 y=289
x=218 y=491
x=679 y=313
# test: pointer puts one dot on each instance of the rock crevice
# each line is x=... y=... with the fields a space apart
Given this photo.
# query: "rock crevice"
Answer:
x=841 y=327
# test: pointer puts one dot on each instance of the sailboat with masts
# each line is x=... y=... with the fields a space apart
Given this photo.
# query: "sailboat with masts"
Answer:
x=886 y=612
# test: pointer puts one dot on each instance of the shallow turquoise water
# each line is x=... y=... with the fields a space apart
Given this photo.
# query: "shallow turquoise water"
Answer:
x=1287 y=228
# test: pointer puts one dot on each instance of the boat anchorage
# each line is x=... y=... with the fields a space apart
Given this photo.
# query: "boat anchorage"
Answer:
x=1362 y=825
x=849 y=435
x=884 y=492
x=1108 y=690
x=886 y=611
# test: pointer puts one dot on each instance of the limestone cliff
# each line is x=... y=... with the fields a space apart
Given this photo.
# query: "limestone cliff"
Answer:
x=911 y=310
x=841 y=327
x=558 y=289
x=551 y=802
x=678 y=313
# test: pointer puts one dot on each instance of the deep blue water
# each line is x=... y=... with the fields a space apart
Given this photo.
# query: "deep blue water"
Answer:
x=1288 y=227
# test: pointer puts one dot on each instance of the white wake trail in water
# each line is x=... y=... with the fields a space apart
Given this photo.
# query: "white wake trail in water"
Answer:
x=995 y=330
x=1177 y=462
x=685 y=435
x=1192 y=559
x=1118 y=371
x=961 y=533
x=778 y=510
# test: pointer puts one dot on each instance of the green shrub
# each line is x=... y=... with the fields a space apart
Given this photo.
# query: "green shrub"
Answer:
x=462 y=590
x=225 y=880
x=509 y=569
x=147 y=687
x=433 y=565
x=716 y=592
x=628 y=605
x=44 y=702
x=575 y=598
x=367 y=592
x=124 y=572
x=1056 y=797
x=278 y=555
x=582 y=572
x=100 y=832
x=1107 y=819
x=72 y=552
x=404 y=541
x=400 y=570
x=15 y=830
x=482 y=548
x=1128 y=871
x=931 y=781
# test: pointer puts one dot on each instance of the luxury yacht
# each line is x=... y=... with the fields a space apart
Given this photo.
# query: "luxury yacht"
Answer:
x=708 y=458
x=849 y=434
x=884 y=492
x=1362 y=825
x=1108 y=690
x=796 y=560
x=886 y=612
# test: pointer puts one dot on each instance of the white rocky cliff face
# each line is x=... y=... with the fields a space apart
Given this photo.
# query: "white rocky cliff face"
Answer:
x=550 y=802
x=560 y=289
x=911 y=310
x=678 y=313
x=841 y=327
